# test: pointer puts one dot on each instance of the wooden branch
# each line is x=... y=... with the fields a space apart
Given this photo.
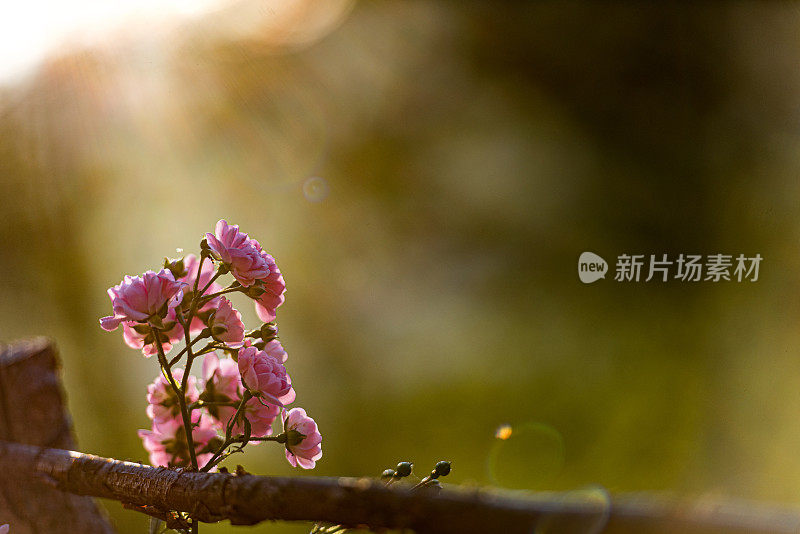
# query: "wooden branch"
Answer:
x=44 y=488
x=249 y=499
x=32 y=412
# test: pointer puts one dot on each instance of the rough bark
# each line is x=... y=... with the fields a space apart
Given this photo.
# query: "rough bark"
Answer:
x=32 y=412
x=44 y=488
x=249 y=499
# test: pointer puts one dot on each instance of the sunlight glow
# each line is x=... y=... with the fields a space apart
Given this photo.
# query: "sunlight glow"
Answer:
x=32 y=29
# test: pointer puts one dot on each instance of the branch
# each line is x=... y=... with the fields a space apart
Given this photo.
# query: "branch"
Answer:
x=249 y=499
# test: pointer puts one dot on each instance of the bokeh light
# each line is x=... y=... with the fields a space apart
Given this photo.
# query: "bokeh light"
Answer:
x=529 y=457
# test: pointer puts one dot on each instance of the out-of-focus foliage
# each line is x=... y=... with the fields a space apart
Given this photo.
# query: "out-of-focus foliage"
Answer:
x=426 y=175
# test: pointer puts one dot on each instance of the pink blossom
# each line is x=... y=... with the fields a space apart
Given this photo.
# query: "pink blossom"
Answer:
x=141 y=298
x=236 y=249
x=140 y=336
x=306 y=451
x=222 y=383
x=163 y=403
x=265 y=376
x=4 y=529
x=267 y=303
x=226 y=323
x=275 y=349
x=166 y=442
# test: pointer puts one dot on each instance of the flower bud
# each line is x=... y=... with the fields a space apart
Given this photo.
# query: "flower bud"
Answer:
x=442 y=469
x=404 y=469
x=176 y=267
x=269 y=331
x=255 y=291
x=389 y=473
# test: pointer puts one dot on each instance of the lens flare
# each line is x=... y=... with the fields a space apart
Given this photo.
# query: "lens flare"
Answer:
x=503 y=432
x=528 y=456
x=316 y=189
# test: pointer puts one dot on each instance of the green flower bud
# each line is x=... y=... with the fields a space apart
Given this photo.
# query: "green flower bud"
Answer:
x=176 y=267
x=255 y=291
x=404 y=469
x=442 y=469
x=269 y=331
x=389 y=473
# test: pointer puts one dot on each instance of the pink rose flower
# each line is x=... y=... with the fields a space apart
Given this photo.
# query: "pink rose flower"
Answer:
x=163 y=403
x=273 y=296
x=226 y=323
x=265 y=376
x=223 y=383
x=236 y=249
x=304 y=445
x=140 y=298
x=139 y=336
x=276 y=350
x=190 y=263
x=166 y=442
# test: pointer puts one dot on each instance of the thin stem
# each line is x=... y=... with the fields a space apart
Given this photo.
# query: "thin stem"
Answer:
x=280 y=438
x=228 y=431
x=187 y=422
x=213 y=279
x=224 y=291
x=188 y=348
x=199 y=270
x=211 y=347
x=189 y=361
x=201 y=404
x=177 y=358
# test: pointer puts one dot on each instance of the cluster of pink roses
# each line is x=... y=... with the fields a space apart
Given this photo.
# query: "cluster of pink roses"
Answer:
x=242 y=392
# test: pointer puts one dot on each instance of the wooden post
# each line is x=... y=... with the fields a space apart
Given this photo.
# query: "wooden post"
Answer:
x=33 y=412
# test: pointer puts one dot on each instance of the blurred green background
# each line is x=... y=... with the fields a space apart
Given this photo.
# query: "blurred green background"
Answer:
x=426 y=175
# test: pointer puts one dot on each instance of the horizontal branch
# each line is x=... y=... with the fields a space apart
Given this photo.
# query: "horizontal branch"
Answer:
x=249 y=499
